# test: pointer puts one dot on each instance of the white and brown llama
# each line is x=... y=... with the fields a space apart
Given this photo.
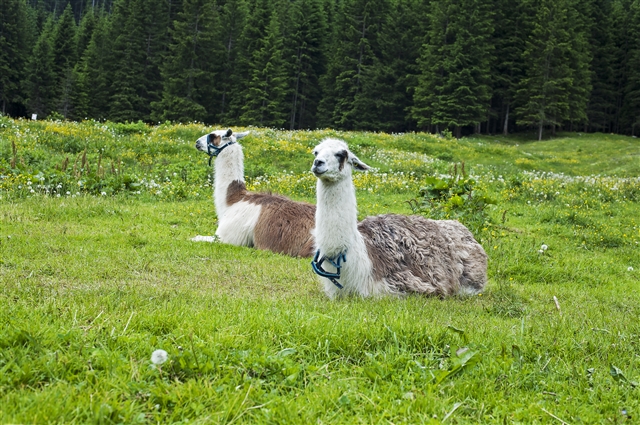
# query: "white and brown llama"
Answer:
x=386 y=254
x=261 y=220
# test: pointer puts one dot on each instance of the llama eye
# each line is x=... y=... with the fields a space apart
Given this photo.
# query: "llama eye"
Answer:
x=314 y=153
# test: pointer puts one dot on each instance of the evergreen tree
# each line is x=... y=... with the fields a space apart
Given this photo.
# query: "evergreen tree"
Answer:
x=580 y=57
x=64 y=59
x=349 y=96
x=601 y=106
x=264 y=103
x=631 y=104
x=39 y=85
x=249 y=43
x=623 y=41
x=454 y=85
x=15 y=39
x=230 y=82
x=393 y=80
x=85 y=30
x=139 y=40
x=546 y=95
x=93 y=78
x=509 y=38
x=307 y=27
x=189 y=70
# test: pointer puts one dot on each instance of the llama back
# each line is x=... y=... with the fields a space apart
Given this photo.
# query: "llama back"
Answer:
x=284 y=226
x=415 y=254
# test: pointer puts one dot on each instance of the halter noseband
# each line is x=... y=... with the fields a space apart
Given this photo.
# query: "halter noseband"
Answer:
x=213 y=150
x=336 y=262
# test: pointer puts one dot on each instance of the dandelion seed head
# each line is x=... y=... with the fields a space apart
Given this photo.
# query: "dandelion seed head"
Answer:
x=544 y=247
x=158 y=357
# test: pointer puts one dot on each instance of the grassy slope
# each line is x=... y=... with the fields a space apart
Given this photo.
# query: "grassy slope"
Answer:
x=92 y=285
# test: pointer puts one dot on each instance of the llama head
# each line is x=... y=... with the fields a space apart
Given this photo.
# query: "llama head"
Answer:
x=334 y=161
x=217 y=140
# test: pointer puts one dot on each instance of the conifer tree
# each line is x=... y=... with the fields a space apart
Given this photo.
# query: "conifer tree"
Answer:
x=85 y=30
x=190 y=67
x=509 y=39
x=40 y=82
x=393 y=80
x=305 y=57
x=250 y=41
x=139 y=41
x=230 y=81
x=349 y=101
x=546 y=95
x=92 y=70
x=454 y=85
x=631 y=105
x=623 y=40
x=265 y=102
x=15 y=46
x=601 y=106
x=580 y=58
x=64 y=59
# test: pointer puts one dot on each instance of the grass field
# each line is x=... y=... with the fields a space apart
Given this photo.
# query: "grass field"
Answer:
x=97 y=271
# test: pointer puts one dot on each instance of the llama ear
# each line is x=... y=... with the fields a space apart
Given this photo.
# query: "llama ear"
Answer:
x=229 y=133
x=357 y=164
x=241 y=135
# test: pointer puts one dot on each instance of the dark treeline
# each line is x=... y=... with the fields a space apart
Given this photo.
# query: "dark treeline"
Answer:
x=485 y=66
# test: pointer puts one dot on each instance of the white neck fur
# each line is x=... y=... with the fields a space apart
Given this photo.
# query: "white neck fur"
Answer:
x=337 y=231
x=229 y=166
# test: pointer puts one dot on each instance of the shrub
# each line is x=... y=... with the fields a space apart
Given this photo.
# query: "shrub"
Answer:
x=454 y=197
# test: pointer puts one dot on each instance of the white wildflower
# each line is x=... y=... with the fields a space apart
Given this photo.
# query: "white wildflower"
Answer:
x=544 y=247
x=104 y=194
x=629 y=269
x=158 y=357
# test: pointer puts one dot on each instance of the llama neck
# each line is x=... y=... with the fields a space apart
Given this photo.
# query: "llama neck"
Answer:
x=229 y=167
x=337 y=218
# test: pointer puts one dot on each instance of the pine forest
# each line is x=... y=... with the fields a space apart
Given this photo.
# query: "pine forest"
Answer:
x=464 y=66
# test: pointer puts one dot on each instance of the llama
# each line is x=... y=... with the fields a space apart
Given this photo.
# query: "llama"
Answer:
x=262 y=220
x=390 y=253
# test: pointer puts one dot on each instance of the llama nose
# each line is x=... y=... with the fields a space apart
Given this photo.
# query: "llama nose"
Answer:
x=318 y=163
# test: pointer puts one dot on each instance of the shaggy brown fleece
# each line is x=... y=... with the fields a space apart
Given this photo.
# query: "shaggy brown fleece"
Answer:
x=415 y=254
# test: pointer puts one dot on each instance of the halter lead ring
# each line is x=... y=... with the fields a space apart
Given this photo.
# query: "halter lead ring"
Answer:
x=336 y=262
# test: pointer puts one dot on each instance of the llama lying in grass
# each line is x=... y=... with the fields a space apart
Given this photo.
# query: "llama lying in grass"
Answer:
x=386 y=254
x=262 y=220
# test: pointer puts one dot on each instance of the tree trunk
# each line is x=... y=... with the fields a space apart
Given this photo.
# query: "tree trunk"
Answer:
x=540 y=131
x=505 y=129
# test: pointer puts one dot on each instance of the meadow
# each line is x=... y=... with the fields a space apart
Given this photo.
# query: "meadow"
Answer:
x=97 y=270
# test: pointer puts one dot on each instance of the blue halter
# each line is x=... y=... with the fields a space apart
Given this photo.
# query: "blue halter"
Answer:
x=213 y=150
x=335 y=262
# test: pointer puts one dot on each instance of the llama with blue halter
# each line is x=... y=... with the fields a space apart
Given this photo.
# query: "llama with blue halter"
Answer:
x=388 y=254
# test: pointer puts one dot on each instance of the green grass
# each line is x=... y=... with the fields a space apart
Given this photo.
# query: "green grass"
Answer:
x=91 y=285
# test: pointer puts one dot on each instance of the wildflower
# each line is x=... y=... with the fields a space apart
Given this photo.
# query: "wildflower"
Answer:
x=158 y=357
x=629 y=269
x=103 y=193
x=544 y=247
x=540 y=251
